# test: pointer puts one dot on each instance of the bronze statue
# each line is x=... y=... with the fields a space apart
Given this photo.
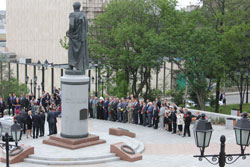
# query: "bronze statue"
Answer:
x=77 y=34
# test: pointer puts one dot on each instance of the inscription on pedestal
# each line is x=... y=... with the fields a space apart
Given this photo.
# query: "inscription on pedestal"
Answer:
x=83 y=114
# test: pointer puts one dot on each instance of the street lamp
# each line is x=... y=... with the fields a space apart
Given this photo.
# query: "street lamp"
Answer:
x=247 y=73
x=26 y=79
x=203 y=132
x=16 y=132
x=46 y=64
x=96 y=68
x=39 y=90
x=31 y=86
x=16 y=135
x=242 y=132
x=101 y=80
x=35 y=84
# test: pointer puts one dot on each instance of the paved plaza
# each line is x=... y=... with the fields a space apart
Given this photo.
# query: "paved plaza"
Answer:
x=161 y=147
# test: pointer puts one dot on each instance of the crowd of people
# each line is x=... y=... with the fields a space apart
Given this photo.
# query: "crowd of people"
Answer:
x=154 y=114
x=29 y=111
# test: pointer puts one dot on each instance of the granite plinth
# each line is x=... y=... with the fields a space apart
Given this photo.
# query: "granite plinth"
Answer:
x=116 y=148
x=27 y=150
x=70 y=143
x=121 y=132
x=74 y=104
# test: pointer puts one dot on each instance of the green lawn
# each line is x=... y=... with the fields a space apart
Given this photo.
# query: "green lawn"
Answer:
x=227 y=109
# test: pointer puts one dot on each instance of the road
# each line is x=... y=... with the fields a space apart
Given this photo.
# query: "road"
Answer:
x=234 y=98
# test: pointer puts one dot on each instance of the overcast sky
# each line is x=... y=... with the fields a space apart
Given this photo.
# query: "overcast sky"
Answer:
x=182 y=3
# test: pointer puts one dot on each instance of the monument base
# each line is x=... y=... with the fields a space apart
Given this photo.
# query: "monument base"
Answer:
x=27 y=150
x=121 y=132
x=116 y=148
x=73 y=143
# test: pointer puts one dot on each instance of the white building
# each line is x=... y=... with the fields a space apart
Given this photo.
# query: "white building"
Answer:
x=34 y=28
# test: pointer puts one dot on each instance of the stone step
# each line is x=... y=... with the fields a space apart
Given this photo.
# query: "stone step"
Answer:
x=104 y=156
x=82 y=162
x=74 y=141
x=72 y=147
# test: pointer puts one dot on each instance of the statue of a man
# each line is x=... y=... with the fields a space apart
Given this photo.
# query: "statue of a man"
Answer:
x=77 y=34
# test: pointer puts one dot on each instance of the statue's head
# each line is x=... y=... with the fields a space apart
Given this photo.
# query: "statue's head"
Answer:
x=77 y=5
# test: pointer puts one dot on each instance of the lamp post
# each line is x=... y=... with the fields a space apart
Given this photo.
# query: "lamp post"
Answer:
x=7 y=148
x=38 y=88
x=31 y=86
x=16 y=135
x=96 y=68
x=26 y=75
x=26 y=79
x=203 y=132
x=35 y=84
x=247 y=73
x=101 y=80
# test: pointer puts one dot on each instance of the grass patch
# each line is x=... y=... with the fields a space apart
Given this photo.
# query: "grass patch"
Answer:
x=227 y=108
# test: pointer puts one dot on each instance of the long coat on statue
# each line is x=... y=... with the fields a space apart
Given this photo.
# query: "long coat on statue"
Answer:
x=77 y=33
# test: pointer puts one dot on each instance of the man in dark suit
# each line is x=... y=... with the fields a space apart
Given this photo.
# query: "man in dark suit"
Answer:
x=158 y=102
x=187 y=121
x=36 y=124
x=9 y=102
x=2 y=107
x=19 y=119
x=13 y=104
x=42 y=122
x=174 y=119
x=24 y=115
x=135 y=112
x=144 y=113
x=26 y=103
x=105 y=111
x=22 y=101
x=51 y=118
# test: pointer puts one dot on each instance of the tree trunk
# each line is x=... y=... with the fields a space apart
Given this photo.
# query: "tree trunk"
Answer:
x=217 y=105
x=201 y=100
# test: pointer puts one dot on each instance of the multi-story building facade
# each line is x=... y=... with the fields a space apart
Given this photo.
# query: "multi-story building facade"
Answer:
x=34 y=29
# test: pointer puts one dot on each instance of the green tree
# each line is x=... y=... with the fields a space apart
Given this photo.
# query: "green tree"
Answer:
x=235 y=46
x=222 y=15
x=130 y=37
x=197 y=50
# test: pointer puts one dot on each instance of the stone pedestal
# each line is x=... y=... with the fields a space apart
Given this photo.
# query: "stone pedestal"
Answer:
x=116 y=148
x=27 y=150
x=121 y=132
x=74 y=104
x=75 y=143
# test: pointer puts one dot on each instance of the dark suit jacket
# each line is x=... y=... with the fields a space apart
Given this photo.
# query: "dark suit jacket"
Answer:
x=51 y=118
x=24 y=114
x=19 y=120
x=42 y=118
x=9 y=101
x=173 y=116
x=188 y=120
x=36 y=120
x=2 y=106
